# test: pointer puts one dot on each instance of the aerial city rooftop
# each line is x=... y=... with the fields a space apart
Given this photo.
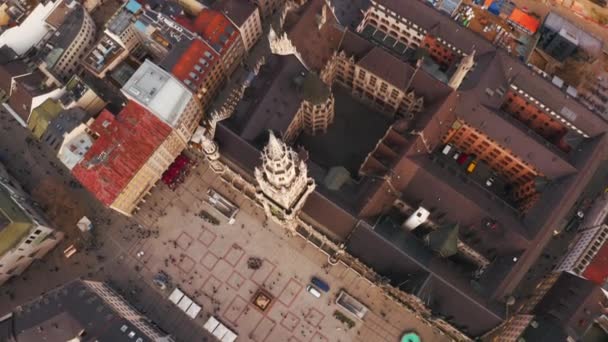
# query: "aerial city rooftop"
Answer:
x=451 y=154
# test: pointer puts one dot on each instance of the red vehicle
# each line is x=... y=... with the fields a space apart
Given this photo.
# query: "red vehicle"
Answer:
x=462 y=159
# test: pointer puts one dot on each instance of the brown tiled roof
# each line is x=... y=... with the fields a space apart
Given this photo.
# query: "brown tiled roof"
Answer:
x=574 y=301
x=387 y=67
x=401 y=256
x=8 y=71
x=238 y=11
x=281 y=100
x=26 y=88
x=354 y=45
x=328 y=216
x=497 y=69
x=314 y=45
x=555 y=202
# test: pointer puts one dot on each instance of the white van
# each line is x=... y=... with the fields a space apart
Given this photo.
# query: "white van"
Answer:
x=313 y=291
x=446 y=149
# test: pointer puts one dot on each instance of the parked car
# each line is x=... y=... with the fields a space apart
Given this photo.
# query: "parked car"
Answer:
x=490 y=181
x=462 y=158
x=472 y=166
x=161 y=279
x=456 y=155
x=319 y=284
x=446 y=149
x=313 y=291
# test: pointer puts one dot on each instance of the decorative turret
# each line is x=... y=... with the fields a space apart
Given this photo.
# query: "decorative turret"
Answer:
x=466 y=64
x=283 y=185
x=204 y=143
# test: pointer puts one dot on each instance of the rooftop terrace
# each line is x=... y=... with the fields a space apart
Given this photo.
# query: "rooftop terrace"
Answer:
x=158 y=91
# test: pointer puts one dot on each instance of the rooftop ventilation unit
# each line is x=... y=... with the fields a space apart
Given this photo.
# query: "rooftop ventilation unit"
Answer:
x=416 y=219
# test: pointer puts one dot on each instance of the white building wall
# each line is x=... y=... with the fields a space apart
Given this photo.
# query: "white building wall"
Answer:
x=36 y=244
x=591 y=236
x=251 y=30
x=31 y=31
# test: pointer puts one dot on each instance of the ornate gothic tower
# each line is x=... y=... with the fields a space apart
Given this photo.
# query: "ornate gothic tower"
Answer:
x=283 y=185
x=466 y=64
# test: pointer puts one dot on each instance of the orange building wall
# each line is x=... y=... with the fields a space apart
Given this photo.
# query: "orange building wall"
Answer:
x=438 y=51
x=537 y=119
x=471 y=141
x=526 y=195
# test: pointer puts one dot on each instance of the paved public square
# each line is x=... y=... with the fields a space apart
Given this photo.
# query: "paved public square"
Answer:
x=209 y=263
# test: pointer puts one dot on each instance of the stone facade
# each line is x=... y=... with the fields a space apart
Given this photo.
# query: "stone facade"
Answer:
x=316 y=111
x=466 y=64
x=283 y=185
x=371 y=88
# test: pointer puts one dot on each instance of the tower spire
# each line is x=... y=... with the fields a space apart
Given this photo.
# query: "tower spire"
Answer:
x=466 y=64
x=274 y=149
x=283 y=184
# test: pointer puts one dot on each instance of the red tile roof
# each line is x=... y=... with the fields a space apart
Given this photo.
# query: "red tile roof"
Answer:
x=124 y=145
x=216 y=29
x=597 y=270
x=191 y=57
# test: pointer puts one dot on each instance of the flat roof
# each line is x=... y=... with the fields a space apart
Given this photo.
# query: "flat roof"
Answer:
x=158 y=91
x=587 y=41
x=31 y=31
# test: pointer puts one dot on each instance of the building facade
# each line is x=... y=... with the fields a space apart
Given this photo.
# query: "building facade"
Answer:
x=369 y=81
x=511 y=330
x=316 y=111
x=587 y=254
x=198 y=67
x=25 y=234
x=268 y=7
x=119 y=40
x=245 y=16
x=283 y=184
x=223 y=36
x=68 y=45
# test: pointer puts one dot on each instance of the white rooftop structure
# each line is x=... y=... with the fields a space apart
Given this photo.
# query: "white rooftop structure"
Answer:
x=75 y=145
x=573 y=33
x=84 y=224
x=31 y=31
x=219 y=330
x=193 y=310
x=176 y=296
x=184 y=303
x=158 y=91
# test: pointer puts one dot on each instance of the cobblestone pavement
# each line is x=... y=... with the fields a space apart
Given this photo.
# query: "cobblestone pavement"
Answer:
x=209 y=263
